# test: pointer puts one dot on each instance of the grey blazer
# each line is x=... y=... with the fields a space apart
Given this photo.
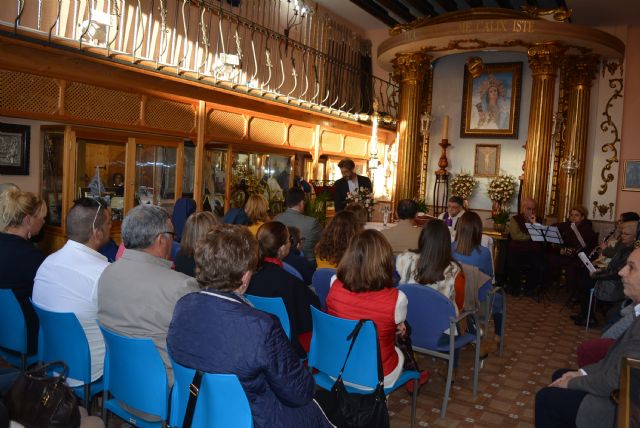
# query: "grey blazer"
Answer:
x=137 y=295
x=309 y=227
x=597 y=410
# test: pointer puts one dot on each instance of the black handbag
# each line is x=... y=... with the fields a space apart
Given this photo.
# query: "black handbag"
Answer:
x=352 y=410
x=38 y=400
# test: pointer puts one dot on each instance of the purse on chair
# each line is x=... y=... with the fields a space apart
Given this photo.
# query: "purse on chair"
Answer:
x=352 y=410
x=38 y=400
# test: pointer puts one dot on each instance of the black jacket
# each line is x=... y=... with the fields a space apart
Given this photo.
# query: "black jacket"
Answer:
x=341 y=188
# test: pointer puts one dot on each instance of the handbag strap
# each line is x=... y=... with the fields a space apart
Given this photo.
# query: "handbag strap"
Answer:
x=353 y=336
x=194 y=391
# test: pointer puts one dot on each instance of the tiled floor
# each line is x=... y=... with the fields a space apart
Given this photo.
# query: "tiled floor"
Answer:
x=540 y=339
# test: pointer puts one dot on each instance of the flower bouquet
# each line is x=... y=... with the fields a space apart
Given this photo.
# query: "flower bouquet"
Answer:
x=501 y=190
x=462 y=185
x=362 y=197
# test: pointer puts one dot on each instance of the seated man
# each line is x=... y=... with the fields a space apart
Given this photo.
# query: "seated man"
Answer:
x=310 y=229
x=67 y=280
x=582 y=397
x=522 y=250
x=455 y=209
x=137 y=293
x=404 y=236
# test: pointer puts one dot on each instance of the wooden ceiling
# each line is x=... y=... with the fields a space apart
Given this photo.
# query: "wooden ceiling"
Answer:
x=394 y=12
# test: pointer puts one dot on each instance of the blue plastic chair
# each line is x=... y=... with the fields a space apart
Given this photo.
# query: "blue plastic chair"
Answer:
x=329 y=347
x=63 y=339
x=272 y=305
x=221 y=400
x=430 y=313
x=487 y=295
x=321 y=282
x=134 y=374
x=293 y=271
x=13 y=334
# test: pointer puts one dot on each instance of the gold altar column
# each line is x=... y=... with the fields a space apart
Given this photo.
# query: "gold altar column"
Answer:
x=409 y=71
x=543 y=61
x=580 y=73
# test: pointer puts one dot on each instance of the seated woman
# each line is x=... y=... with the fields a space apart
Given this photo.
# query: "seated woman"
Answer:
x=364 y=290
x=362 y=215
x=566 y=256
x=433 y=265
x=217 y=331
x=335 y=239
x=21 y=217
x=271 y=280
x=257 y=210
x=195 y=228
x=296 y=259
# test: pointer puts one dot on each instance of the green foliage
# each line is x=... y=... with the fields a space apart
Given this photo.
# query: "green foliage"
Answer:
x=317 y=207
x=422 y=205
x=501 y=217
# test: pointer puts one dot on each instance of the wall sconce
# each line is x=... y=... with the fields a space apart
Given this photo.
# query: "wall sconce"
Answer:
x=425 y=123
x=300 y=11
x=570 y=165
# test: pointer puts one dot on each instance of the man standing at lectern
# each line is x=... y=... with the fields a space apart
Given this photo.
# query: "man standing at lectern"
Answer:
x=349 y=183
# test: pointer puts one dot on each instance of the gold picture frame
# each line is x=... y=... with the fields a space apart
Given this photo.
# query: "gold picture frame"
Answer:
x=491 y=102
x=487 y=160
x=629 y=397
x=631 y=175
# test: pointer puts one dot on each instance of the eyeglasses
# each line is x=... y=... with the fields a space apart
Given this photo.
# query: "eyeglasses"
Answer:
x=173 y=234
x=96 y=217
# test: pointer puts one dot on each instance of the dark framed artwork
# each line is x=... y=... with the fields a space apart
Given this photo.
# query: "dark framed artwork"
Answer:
x=487 y=161
x=14 y=149
x=491 y=101
x=631 y=176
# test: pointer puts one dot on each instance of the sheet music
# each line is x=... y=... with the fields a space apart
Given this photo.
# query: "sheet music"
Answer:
x=578 y=235
x=536 y=231
x=553 y=235
x=587 y=263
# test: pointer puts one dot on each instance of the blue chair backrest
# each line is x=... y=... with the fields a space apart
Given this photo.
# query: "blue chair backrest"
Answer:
x=272 y=305
x=321 y=282
x=293 y=271
x=428 y=314
x=329 y=347
x=13 y=330
x=484 y=290
x=63 y=339
x=221 y=401
x=135 y=374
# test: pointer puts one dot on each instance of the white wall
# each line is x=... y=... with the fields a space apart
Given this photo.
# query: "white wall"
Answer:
x=448 y=76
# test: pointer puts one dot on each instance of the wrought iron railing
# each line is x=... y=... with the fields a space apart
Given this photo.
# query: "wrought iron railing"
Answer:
x=278 y=49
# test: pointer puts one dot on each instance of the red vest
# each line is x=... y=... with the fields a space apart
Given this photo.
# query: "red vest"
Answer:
x=378 y=306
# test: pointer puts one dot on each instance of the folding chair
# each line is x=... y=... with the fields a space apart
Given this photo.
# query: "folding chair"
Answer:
x=321 y=282
x=272 y=305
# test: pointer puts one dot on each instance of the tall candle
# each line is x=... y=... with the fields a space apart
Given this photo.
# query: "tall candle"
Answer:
x=445 y=128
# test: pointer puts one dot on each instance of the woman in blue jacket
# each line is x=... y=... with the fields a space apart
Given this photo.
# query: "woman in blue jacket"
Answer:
x=217 y=331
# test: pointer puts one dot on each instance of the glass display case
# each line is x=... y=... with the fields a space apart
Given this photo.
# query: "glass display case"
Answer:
x=189 y=166
x=215 y=179
x=53 y=149
x=100 y=167
x=155 y=177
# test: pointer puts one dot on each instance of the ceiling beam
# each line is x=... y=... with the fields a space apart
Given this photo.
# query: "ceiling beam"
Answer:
x=423 y=7
x=398 y=8
x=475 y=3
x=376 y=11
x=448 y=5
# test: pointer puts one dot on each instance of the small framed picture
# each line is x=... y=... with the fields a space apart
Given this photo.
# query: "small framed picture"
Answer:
x=491 y=102
x=631 y=175
x=629 y=398
x=14 y=149
x=487 y=161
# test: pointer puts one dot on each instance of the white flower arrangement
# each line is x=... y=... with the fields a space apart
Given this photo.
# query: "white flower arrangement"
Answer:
x=462 y=185
x=362 y=197
x=501 y=189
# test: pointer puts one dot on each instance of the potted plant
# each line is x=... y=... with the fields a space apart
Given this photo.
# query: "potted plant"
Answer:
x=500 y=219
x=501 y=189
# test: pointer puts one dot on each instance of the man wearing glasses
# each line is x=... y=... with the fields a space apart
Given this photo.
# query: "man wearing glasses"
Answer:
x=67 y=280
x=137 y=293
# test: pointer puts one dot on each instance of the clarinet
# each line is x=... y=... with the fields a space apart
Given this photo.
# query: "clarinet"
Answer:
x=595 y=253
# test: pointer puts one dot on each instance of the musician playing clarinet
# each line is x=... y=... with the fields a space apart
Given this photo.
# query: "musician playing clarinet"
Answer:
x=578 y=235
x=524 y=255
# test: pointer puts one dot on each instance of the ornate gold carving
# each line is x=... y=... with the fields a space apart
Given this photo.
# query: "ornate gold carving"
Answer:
x=475 y=66
x=560 y=14
x=424 y=166
x=401 y=28
x=609 y=125
x=410 y=66
x=612 y=66
x=544 y=58
x=603 y=209
x=581 y=70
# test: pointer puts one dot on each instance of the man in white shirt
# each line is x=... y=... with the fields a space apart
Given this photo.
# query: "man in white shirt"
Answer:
x=67 y=281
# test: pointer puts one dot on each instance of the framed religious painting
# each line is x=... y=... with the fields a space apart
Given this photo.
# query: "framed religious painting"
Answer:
x=487 y=160
x=628 y=399
x=631 y=175
x=14 y=149
x=491 y=101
